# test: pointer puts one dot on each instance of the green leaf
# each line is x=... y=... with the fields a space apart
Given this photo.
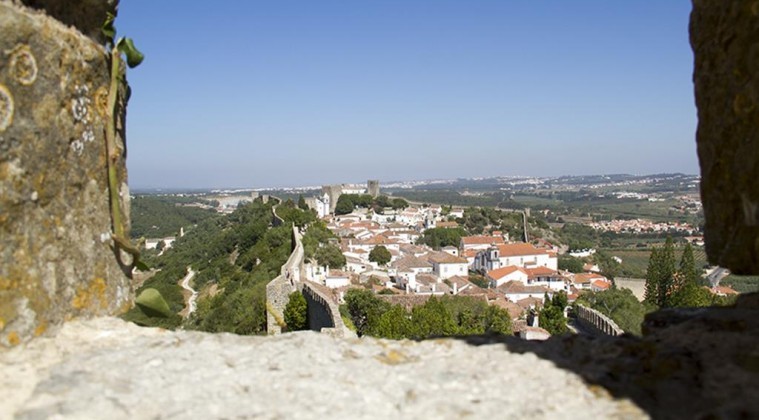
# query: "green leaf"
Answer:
x=133 y=55
x=108 y=29
x=141 y=266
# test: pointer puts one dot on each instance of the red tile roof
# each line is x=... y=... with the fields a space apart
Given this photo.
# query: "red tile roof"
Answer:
x=518 y=249
x=541 y=271
x=581 y=278
x=445 y=258
x=526 y=303
x=600 y=284
x=470 y=253
x=517 y=287
x=481 y=240
x=504 y=271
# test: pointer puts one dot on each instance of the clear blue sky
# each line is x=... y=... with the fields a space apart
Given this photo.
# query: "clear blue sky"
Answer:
x=284 y=93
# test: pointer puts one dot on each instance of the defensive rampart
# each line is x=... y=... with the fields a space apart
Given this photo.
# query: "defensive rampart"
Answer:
x=279 y=289
x=323 y=313
x=275 y=219
x=597 y=321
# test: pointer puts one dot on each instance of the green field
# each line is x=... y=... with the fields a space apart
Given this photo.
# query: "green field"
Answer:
x=743 y=284
x=532 y=200
x=635 y=261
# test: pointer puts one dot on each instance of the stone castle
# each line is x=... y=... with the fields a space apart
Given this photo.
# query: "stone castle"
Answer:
x=326 y=202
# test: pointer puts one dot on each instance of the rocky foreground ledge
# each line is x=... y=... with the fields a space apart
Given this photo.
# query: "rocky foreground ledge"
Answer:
x=690 y=363
x=107 y=368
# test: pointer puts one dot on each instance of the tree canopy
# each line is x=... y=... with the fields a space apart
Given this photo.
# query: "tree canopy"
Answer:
x=444 y=316
x=234 y=255
x=330 y=255
x=296 y=312
x=380 y=255
x=618 y=304
x=668 y=287
x=158 y=217
x=552 y=317
x=571 y=264
x=437 y=238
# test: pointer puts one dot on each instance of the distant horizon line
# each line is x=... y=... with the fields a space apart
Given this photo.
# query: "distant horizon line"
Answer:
x=391 y=182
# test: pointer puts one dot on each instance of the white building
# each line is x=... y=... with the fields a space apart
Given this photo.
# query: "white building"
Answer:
x=519 y=254
x=515 y=291
x=480 y=242
x=445 y=265
x=506 y=274
x=336 y=278
x=582 y=253
x=153 y=243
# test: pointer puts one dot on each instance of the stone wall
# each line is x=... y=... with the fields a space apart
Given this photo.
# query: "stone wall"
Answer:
x=276 y=221
x=278 y=290
x=725 y=40
x=56 y=256
x=597 y=321
x=323 y=312
x=319 y=311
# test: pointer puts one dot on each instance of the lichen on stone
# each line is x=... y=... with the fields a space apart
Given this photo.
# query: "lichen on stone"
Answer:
x=6 y=108
x=23 y=65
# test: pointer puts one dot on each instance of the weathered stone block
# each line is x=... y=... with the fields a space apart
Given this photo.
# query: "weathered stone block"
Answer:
x=725 y=40
x=56 y=260
x=85 y=15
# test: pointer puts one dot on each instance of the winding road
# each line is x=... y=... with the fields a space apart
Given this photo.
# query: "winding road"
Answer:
x=191 y=305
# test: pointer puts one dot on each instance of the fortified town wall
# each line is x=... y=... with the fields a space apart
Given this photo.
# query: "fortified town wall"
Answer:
x=597 y=321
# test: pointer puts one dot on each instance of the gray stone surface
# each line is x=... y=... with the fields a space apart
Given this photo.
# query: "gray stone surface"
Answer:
x=690 y=363
x=725 y=40
x=55 y=256
x=106 y=368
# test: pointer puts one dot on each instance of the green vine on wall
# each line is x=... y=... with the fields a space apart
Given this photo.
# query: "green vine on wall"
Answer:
x=133 y=58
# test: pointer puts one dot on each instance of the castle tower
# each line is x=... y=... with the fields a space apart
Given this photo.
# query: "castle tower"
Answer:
x=334 y=192
x=372 y=188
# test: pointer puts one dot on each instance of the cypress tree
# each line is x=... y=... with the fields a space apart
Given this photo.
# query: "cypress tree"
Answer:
x=302 y=203
x=652 y=277
x=688 y=266
x=666 y=275
x=688 y=293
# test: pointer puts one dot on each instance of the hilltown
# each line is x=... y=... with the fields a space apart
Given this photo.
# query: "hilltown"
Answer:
x=514 y=275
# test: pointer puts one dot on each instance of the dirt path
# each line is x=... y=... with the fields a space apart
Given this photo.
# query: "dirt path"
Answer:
x=190 y=304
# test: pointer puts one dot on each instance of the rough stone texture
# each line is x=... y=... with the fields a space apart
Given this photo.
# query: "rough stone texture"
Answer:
x=105 y=368
x=690 y=363
x=55 y=256
x=725 y=40
x=87 y=16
